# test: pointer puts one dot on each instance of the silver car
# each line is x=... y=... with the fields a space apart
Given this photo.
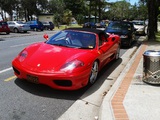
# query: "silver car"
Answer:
x=18 y=26
x=139 y=26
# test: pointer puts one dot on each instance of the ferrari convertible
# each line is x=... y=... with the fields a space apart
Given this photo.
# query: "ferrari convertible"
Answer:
x=69 y=60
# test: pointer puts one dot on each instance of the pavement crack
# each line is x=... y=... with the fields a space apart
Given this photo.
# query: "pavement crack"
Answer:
x=87 y=103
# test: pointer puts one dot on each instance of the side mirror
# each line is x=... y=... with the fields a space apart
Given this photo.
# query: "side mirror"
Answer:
x=111 y=39
x=45 y=36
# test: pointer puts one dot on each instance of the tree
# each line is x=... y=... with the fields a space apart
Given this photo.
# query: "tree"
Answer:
x=120 y=10
x=67 y=16
x=56 y=6
x=8 y=6
x=32 y=7
x=152 y=6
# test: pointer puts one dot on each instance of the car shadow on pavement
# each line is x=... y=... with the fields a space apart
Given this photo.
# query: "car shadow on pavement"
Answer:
x=103 y=76
x=1 y=39
x=46 y=91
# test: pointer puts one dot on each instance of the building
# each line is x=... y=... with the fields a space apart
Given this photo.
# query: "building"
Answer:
x=46 y=17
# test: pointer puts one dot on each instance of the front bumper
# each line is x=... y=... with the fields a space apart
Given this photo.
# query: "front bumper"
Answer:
x=125 y=41
x=62 y=81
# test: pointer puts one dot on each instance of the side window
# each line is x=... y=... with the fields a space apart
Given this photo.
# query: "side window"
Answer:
x=102 y=38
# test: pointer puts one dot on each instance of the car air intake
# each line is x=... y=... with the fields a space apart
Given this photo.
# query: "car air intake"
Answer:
x=64 y=83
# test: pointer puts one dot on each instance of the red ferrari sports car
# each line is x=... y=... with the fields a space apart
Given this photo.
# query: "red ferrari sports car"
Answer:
x=69 y=60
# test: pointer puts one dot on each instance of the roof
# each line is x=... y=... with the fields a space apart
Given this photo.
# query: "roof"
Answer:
x=97 y=31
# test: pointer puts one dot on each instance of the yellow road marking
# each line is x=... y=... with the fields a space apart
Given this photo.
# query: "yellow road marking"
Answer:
x=10 y=78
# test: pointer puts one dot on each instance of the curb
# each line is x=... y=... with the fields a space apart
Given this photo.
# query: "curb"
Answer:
x=106 y=111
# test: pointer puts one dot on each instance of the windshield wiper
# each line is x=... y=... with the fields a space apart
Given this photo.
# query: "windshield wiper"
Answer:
x=84 y=48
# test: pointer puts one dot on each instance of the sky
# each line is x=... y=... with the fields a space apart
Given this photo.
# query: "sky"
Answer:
x=131 y=1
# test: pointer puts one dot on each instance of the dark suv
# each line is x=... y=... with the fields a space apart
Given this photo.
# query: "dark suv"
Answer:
x=4 y=27
x=35 y=25
x=124 y=29
x=48 y=25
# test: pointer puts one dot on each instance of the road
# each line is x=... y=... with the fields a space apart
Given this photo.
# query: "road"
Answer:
x=22 y=100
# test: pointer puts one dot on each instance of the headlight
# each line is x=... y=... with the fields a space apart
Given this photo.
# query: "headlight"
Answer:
x=22 y=55
x=124 y=36
x=72 y=65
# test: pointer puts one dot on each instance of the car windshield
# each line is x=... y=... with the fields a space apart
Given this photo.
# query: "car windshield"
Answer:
x=20 y=22
x=3 y=23
x=138 y=23
x=74 y=39
x=119 y=26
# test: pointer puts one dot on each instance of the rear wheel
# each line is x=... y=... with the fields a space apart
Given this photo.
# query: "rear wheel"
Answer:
x=35 y=29
x=94 y=73
x=117 y=53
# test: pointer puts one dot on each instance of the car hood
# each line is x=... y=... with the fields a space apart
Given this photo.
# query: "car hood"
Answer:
x=118 y=32
x=50 y=58
x=139 y=26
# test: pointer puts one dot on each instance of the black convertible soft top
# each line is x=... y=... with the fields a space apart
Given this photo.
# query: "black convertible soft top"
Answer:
x=97 y=31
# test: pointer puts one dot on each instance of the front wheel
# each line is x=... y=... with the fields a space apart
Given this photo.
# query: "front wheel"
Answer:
x=16 y=30
x=117 y=53
x=94 y=73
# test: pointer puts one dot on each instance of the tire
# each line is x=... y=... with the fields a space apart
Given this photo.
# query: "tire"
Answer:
x=130 y=43
x=93 y=74
x=35 y=29
x=117 y=53
x=7 y=33
x=16 y=30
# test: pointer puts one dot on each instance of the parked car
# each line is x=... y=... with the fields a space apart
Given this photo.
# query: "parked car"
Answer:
x=4 y=27
x=48 y=25
x=69 y=60
x=124 y=29
x=139 y=26
x=89 y=25
x=35 y=25
x=101 y=25
x=18 y=26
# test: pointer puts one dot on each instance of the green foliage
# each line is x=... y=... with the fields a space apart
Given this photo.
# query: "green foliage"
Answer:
x=124 y=10
x=65 y=10
x=67 y=16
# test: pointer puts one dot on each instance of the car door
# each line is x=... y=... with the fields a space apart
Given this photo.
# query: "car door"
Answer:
x=1 y=29
x=105 y=48
x=11 y=25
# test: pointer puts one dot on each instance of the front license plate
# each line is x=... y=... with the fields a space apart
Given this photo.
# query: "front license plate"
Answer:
x=32 y=79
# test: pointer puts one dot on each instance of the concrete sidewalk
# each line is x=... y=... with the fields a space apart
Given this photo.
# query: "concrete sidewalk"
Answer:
x=130 y=98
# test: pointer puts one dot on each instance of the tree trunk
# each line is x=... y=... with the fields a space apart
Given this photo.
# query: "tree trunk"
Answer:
x=152 y=20
x=99 y=10
x=151 y=15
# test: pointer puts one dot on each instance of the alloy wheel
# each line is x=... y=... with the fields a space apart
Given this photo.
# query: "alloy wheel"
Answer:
x=94 y=73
